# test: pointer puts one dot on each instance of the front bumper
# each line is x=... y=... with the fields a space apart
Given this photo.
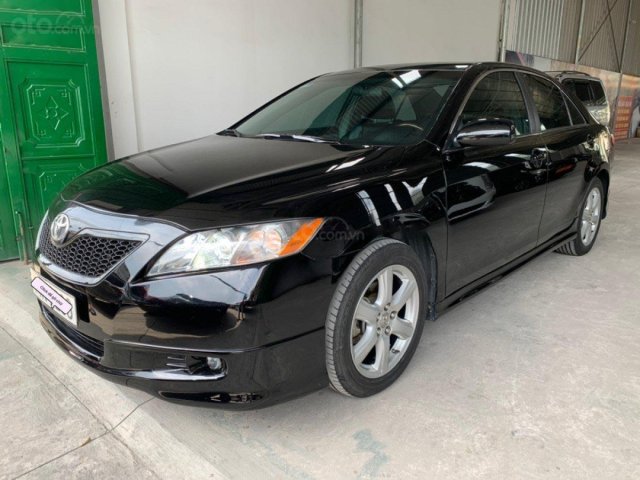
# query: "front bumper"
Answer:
x=252 y=378
x=156 y=334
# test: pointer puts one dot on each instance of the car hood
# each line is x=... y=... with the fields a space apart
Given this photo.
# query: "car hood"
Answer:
x=221 y=180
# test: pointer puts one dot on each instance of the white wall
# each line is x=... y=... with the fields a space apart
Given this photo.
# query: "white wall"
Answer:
x=397 y=31
x=182 y=69
x=119 y=83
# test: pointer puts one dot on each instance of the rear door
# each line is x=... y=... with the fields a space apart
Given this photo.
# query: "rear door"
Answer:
x=495 y=195
x=570 y=143
x=50 y=109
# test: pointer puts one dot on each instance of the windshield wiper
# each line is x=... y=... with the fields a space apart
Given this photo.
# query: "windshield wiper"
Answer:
x=293 y=137
x=230 y=132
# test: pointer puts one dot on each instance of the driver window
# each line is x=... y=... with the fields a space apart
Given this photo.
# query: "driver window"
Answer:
x=497 y=95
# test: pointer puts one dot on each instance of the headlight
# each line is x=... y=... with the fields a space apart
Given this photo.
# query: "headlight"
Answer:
x=226 y=247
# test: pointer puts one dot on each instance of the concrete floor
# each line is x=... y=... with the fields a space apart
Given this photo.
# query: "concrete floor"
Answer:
x=537 y=376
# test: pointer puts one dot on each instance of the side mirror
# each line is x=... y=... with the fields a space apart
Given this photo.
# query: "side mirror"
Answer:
x=486 y=132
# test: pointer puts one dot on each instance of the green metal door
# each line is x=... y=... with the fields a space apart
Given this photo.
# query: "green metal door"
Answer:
x=8 y=244
x=50 y=110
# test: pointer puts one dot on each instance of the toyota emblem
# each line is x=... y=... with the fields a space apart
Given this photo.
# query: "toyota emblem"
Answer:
x=59 y=229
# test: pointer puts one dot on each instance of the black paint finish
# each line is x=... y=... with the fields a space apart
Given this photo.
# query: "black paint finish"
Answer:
x=473 y=213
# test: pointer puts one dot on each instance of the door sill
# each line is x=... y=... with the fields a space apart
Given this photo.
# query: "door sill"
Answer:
x=492 y=277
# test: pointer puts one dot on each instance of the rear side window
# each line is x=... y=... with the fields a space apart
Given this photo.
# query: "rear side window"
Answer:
x=497 y=95
x=549 y=103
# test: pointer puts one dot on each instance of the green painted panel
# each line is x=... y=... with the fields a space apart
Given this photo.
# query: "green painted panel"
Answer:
x=50 y=107
x=44 y=179
x=8 y=245
x=63 y=38
x=44 y=6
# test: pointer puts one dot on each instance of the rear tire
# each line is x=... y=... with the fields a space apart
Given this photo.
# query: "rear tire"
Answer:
x=375 y=319
x=588 y=223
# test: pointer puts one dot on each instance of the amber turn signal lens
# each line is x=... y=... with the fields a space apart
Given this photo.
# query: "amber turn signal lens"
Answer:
x=302 y=237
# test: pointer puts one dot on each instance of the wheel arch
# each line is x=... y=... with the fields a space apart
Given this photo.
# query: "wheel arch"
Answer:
x=416 y=231
x=421 y=243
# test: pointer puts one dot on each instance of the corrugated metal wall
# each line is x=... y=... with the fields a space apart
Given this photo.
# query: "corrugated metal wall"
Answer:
x=591 y=31
x=603 y=33
x=546 y=28
x=570 y=19
x=632 y=52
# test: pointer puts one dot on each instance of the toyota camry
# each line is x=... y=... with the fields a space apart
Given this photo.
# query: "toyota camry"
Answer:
x=307 y=244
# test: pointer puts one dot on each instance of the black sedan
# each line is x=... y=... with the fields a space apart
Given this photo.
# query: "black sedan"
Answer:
x=307 y=244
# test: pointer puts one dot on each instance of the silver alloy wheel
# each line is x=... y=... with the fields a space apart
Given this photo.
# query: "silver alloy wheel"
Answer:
x=384 y=321
x=591 y=217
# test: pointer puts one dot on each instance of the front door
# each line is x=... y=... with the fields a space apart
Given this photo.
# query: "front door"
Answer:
x=50 y=109
x=495 y=195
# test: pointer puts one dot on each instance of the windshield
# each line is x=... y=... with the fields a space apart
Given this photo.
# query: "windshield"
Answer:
x=357 y=108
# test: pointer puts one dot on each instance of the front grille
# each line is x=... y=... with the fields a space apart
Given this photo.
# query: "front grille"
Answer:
x=86 y=255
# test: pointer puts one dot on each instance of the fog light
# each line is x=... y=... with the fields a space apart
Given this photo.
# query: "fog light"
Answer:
x=215 y=364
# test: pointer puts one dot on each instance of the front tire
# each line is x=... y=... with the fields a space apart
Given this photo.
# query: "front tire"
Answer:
x=375 y=319
x=589 y=222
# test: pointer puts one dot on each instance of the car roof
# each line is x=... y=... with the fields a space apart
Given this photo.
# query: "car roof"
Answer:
x=458 y=66
x=420 y=66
